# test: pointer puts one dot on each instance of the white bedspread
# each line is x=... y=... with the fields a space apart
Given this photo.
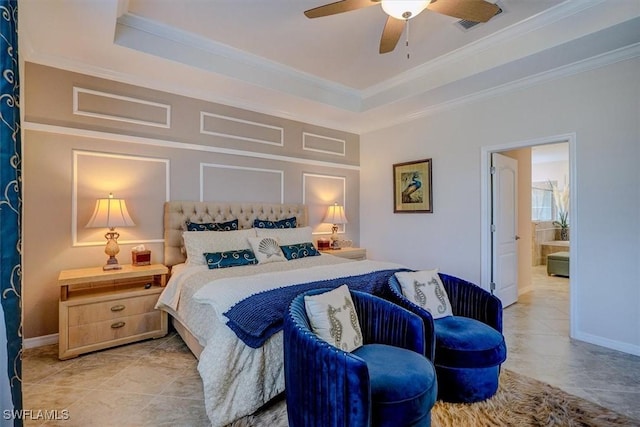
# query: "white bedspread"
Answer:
x=222 y=294
x=238 y=379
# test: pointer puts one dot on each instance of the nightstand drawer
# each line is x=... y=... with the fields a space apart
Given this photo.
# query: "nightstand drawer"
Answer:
x=114 y=329
x=116 y=308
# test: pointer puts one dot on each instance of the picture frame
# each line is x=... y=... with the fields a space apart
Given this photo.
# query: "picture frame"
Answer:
x=412 y=187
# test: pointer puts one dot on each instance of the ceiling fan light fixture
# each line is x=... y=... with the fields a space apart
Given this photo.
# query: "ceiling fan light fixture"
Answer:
x=404 y=9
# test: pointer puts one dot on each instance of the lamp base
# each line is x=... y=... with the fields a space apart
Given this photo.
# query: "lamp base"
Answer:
x=112 y=249
x=335 y=244
x=112 y=264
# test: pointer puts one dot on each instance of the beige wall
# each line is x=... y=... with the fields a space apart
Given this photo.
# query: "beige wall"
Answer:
x=85 y=137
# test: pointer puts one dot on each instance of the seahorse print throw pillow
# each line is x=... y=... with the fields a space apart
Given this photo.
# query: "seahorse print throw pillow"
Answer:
x=425 y=289
x=334 y=319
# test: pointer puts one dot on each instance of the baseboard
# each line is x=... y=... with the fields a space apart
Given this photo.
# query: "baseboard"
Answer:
x=40 y=341
x=605 y=342
x=524 y=290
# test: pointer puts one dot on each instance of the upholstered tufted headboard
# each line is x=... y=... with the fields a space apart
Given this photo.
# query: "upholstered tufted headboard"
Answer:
x=176 y=213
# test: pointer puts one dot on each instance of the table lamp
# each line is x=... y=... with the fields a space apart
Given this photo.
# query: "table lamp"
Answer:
x=111 y=213
x=335 y=215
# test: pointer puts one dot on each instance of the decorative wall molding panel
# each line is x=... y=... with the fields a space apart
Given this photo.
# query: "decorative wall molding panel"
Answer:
x=142 y=181
x=103 y=105
x=229 y=183
x=323 y=144
x=234 y=128
x=318 y=193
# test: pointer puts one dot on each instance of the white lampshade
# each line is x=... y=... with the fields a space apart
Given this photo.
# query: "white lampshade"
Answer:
x=404 y=9
x=110 y=213
x=335 y=215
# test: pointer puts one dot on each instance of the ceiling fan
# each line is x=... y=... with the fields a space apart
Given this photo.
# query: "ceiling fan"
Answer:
x=400 y=11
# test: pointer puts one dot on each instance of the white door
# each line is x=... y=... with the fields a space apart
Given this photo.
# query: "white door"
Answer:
x=504 y=188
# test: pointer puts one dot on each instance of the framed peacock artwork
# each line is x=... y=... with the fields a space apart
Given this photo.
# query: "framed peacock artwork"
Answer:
x=412 y=187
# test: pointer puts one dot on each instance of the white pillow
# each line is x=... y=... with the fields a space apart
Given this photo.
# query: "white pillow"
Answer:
x=266 y=249
x=287 y=236
x=424 y=288
x=197 y=243
x=334 y=319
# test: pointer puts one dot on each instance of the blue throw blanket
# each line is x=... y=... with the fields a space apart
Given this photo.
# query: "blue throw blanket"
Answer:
x=259 y=316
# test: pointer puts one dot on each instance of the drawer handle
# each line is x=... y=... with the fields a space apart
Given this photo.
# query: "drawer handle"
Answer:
x=118 y=307
x=117 y=325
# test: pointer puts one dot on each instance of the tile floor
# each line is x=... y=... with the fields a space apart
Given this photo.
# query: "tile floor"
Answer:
x=156 y=383
x=536 y=329
x=152 y=383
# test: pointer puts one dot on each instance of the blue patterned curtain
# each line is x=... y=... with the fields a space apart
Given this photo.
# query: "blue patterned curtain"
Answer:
x=10 y=218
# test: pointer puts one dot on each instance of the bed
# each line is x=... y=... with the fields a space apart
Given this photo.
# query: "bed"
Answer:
x=213 y=309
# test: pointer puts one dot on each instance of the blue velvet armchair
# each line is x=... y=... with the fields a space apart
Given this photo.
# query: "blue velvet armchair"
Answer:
x=385 y=382
x=468 y=347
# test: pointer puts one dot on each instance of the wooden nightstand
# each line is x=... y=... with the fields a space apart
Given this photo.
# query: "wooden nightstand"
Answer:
x=101 y=309
x=350 y=253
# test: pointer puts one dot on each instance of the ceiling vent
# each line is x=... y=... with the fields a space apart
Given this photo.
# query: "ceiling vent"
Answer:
x=467 y=25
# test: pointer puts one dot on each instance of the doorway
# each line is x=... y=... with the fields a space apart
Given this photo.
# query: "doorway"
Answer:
x=489 y=274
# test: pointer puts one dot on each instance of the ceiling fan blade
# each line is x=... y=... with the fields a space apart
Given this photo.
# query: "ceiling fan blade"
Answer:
x=339 y=7
x=391 y=34
x=470 y=10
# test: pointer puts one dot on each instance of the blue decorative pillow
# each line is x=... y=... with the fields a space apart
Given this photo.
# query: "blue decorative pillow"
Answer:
x=212 y=226
x=283 y=223
x=230 y=258
x=299 y=250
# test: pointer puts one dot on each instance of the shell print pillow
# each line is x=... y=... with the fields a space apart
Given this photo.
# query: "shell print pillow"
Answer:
x=266 y=249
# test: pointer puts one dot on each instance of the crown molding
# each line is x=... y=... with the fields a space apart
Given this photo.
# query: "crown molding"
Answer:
x=235 y=63
x=191 y=49
x=162 y=40
x=599 y=61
